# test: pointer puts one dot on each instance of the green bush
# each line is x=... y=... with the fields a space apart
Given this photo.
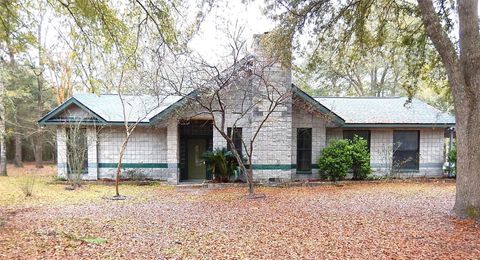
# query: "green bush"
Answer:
x=452 y=155
x=335 y=160
x=452 y=160
x=341 y=156
x=360 y=158
x=221 y=162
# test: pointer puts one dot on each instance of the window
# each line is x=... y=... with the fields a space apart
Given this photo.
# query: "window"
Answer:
x=236 y=138
x=304 y=150
x=406 y=147
x=365 y=134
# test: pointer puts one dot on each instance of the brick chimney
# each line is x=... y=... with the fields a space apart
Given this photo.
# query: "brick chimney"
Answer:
x=261 y=51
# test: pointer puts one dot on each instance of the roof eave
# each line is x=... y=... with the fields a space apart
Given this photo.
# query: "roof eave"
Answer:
x=72 y=100
x=398 y=125
x=176 y=105
x=310 y=100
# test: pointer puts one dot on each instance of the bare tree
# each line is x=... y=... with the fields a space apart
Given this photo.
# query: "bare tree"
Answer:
x=77 y=145
x=247 y=91
x=131 y=43
x=141 y=108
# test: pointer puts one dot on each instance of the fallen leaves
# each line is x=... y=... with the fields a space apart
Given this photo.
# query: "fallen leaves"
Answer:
x=355 y=221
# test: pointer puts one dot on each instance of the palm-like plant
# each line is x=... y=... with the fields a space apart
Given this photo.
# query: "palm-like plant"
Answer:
x=221 y=162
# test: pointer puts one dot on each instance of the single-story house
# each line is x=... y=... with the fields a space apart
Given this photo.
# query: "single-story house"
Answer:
x=405 y=137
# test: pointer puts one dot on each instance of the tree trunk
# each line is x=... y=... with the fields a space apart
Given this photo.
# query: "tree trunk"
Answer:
x=3 y=147
x=250 y=180
x=38 y=152
x=467 y=109
x=18 y=150
x=467 y=200
x=39 y=136
x=119 y=164
x=464 y=81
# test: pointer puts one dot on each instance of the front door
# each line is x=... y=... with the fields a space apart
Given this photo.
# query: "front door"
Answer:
x=196 y=147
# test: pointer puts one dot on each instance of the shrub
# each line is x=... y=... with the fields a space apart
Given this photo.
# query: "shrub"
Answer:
x=221 y=162
x=27 y=185
x=335 y=160
x=340 y=156
x=452 y=161
x=360 y=158
x=59 y=178
x=134 y=175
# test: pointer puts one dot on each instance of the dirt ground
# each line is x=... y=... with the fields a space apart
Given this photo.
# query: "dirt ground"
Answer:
x=408 y=220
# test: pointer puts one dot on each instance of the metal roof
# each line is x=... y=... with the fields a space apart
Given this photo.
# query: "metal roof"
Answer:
x=385 y=110
x=107 y=108
x=346 y=111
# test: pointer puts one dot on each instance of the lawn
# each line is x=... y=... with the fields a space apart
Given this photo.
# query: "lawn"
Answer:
x=360 y=221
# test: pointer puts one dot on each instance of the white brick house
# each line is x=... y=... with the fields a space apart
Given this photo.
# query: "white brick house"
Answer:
x=166 y=146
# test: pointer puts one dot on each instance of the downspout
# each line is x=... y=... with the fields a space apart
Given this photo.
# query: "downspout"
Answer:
x=450 y=145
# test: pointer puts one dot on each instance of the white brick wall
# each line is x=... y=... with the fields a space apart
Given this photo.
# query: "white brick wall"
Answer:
x=381 y=151
x=92 y=154
x=61 y=152
x=432 y=152
x=305 y=119
x=172 y=153
x=272 y=147
x=147 y=145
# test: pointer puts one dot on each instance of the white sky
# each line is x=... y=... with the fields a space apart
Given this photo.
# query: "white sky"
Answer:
x=211 y=40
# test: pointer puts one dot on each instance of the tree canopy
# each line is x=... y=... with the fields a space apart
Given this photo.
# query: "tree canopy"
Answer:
x=363 y=48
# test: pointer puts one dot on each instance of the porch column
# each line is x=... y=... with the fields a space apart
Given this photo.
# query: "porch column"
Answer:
x=61 y=152
x=172 y=151
x=92 y=154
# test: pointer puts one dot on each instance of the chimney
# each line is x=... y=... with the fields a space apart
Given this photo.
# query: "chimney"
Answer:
x=257 y=48
x=268 y=47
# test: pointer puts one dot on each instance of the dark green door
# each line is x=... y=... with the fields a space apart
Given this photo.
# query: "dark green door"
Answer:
x=195 y=166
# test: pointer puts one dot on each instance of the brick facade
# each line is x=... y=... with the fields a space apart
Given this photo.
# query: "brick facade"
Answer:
x=432 y=151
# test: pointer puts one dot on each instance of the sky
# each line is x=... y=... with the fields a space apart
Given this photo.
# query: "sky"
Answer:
x=211 y=41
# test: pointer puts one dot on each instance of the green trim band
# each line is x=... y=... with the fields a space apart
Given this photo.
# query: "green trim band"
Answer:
x=284 y=167
x=314 y=166
x=135 y=165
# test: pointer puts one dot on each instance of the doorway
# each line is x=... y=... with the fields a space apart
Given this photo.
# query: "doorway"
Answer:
x=196 y=137
x=196 y=169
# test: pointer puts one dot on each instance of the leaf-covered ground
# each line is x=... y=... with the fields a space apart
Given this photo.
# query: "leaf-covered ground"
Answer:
x=361 y=221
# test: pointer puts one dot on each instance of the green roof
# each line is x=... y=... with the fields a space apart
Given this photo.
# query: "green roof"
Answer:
x=385 y=111
x=345 y=111
x=107 y=108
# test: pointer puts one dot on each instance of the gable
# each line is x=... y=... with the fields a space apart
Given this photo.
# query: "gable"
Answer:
x=313 y=104
x=71 y=111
